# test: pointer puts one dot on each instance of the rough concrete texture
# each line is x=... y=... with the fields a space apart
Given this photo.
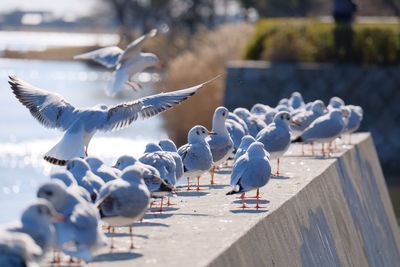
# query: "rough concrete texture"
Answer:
x=320 y=212
x=249 y=82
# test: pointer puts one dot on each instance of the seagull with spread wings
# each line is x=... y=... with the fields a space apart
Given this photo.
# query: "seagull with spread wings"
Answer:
x=80 y=124
x=126 y=62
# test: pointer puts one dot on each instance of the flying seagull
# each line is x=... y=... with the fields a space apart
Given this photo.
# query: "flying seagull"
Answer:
x=126 y=62
x=80 y=124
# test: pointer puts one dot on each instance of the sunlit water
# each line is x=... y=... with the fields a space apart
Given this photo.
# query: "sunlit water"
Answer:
x=23 y=141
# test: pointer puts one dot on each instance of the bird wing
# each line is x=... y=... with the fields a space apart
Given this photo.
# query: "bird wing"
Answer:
x=135 y=47
x=107 y=56
x=122 y=115
x=84 y=215
x=50 y=109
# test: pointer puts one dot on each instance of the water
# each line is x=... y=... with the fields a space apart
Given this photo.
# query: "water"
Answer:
x=23 y=141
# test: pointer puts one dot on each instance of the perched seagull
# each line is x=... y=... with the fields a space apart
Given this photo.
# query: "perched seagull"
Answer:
x=335 y=103
x=324 y=129
x=78 y=235
x=354 y=121
x=304 y=118
x=169 y=146
x=234 y=117
x=254 y=123
x=151 y=176
x=196 y=154
x=126 y=63
x=18 y=250
x=37 y=222
x=163 y=161
x=276 y=136
x=80 y=169
x=98 y=167
x=296 y=100
x=80 y=124
x=68 y=179
x=236 y=132
x=259 y=109
x=269 y=116
x=221 y=143
x=251 y=171
x=246 y=141
x=125 y=200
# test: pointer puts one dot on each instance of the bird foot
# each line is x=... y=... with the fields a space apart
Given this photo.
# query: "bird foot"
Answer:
x=134 y=85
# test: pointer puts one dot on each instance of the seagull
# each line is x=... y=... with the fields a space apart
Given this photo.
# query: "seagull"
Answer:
x=276 y=136
x=196 y=154
x=151 y=176
x=98 y=167
x=324 y=129
x=304 y=118
x=68 y=179
x=37 y=222
x=221 y=143
x=80 y=124
x=126 y=63
x=236 y=132
x=254 y=123
x=233 y=116
x=125 y=200
x=169 y=146
x=335 y=103
x=246 y=141
x=80 y=169
x=354 y=121
x=78 y=235
x=296 y=100
x=18 y=250
x=251 y=171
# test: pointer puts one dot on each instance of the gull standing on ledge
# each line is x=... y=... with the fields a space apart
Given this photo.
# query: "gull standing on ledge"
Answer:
x=80 y=124
x=126 y=63
x=220 y=142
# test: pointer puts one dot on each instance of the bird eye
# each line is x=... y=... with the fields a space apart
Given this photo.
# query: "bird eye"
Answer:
x=197 y=132
x=48 y=193
x=223 y=113
x=204 y=132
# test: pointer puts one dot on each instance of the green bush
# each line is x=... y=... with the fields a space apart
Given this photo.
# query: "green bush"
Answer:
x=305 y=40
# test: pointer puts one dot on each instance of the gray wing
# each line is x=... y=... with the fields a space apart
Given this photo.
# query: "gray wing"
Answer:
x=322 y=127
x=122 y=115
x=135 y=47
x=107 y=56
x=84 y=216
x=239 y=169
x=50 y=109
x=219 y=146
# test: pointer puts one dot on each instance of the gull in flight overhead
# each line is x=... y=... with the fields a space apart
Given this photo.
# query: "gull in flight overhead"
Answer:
x=126 y=62
x=80 y=124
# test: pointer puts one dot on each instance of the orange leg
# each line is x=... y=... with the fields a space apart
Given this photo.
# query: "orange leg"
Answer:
x=243 y=203
x=112 y=238
x=169 y=203
x=322 y=149
x=198 y=183
x=131 y=237
x=277 y=169
x=188 y=184
x=212 y=174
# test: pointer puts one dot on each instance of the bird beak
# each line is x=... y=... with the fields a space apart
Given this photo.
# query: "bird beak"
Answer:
x=58 y=218
x=211 y=133
x=295 y=123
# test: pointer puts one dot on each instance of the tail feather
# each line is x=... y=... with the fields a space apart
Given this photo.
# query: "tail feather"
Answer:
x=298 y=139
x=70 y=146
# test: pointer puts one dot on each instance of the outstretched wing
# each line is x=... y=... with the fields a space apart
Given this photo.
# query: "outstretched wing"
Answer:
x=50 y=109
x=122 y=115
x=135 y=47
x=107 y=56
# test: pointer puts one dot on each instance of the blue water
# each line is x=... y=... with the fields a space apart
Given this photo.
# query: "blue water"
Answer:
x=23 y=141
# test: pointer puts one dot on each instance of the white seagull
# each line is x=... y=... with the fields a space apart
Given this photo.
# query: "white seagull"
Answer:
x=126 y=63
x=100 y=169
x=251 y=171
x=246 y=141
x=80 y=124
x=68 y=179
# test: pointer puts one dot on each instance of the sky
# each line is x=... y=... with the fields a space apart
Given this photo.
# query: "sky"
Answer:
x=58 y=7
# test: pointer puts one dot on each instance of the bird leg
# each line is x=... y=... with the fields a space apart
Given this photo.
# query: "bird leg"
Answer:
x=131 y=237
x=212 y=174
x=161 y=205
x=312 y=148
x=257 y=196
x=277 y=169
x=198 y=183
x=302 y=149
x=188 y=184
x=56 y=257
x=322 y=149
x=243 y=203
x=169 y=203
x=134 y=85
x=258 y=202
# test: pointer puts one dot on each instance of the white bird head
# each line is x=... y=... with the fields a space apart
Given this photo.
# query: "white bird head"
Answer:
x=336 y=102
x=152 y=147
x=284 y=102
x=256 y=149
x=94 y=162
x=242 y=113
x=318 y=107
x=246 y=141
x=168 y=145
x=282 y=117
x=78 y=167
x=219 y=118
x=55 y=192
x=66 y=177
x=40 y=210
x=198 y=133
x=296 y=100
x=259 y=109
x=124 y=161
x=150 y=60
x=133 y=174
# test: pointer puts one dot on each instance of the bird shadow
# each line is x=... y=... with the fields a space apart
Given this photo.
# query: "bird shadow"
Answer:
x=156 y=209
x=218 y=186
x=251 y=201
x=224 y=171
x=125 y=234
x=249 y=210
x=146 y=223
x=280 y=177
x=192 y=214
x=117 y=256
x=193 y=193
x=157 y=215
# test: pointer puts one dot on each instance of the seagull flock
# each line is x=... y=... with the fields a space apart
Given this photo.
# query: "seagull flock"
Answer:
x=76 y=205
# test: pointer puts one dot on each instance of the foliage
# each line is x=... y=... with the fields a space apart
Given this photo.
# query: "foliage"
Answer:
x=305 y=40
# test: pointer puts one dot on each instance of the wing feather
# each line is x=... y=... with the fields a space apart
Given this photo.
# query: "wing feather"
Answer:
x=135 y=47
x=107 y=56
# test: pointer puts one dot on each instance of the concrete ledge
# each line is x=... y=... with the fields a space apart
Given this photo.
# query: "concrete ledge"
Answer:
x=321 y=212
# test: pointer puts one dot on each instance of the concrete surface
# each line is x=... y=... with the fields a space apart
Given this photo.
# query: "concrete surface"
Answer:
x=321 y=212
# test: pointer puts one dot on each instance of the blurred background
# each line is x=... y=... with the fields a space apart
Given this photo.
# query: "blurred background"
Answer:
x=265 y=49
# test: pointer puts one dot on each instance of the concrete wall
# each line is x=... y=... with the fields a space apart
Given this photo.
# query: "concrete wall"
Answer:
x=342 y=218
x=376 y=89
